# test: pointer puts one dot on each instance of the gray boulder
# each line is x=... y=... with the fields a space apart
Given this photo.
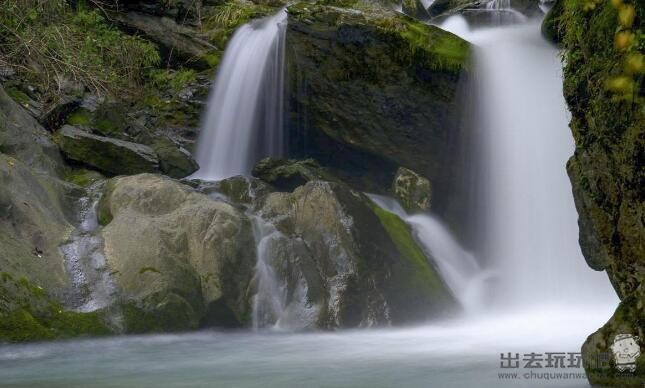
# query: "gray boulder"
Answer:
x=180 y=259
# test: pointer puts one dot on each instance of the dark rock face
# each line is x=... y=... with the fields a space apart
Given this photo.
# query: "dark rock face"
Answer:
x=369 y=92
x=551 y=24
x=606 y=169
x=106 y=154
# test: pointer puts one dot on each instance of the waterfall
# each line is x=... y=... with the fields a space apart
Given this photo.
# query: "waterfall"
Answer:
x=91 y=287
x=270 y=297
x=244 y=116
x=525 y=215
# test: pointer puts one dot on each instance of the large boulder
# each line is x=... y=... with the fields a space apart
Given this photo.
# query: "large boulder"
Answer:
x=342 y=262
x=106 y=154
x=373 y=90
x=180 y=259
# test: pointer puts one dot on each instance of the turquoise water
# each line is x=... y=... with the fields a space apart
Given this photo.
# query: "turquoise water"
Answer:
x=462 y=353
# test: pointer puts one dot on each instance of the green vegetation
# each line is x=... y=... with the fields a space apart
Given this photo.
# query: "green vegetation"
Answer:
x=221 y=21
x=168 y=79
x=51 y=43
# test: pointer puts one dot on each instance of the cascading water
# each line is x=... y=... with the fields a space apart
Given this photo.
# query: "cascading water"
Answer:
x=244 y=116
x=91 y=285
x=458 y=267
x=270 y=297
x=528 y=219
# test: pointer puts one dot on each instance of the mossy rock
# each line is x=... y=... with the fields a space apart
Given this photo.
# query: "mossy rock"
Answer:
x=551 y=29
x=371 y=90
x=106 y=154
x=174 y=161
x=288 y=174
x=28 y=314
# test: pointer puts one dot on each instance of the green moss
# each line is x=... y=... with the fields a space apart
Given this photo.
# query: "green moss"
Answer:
x=213 y=58
x=175 y=80
x=20 y=326
x=148 y=269
x=28 y=314
x=399 y=232
x=137 y=320
x=18 y=95
x=103 y=211
x=82 y=177
x=80 y=117
x=446 y=51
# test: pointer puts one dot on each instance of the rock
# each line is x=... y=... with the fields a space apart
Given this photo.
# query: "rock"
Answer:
x=241 y=190
x=370 y=91
x=174 y=161
x=413 y=191
x=181 y=260
x=177 y=41
x=415 y=9
x=288 y=174
x=106 y=154
x=475 y=10
x=345 y=263
x=34 y=217
x=448 y=7
x=551 y=23
x=22 y=137
x=606 y=169
x=56 y=114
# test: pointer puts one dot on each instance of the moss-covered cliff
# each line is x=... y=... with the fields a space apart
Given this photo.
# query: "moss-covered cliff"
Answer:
x=603 y=86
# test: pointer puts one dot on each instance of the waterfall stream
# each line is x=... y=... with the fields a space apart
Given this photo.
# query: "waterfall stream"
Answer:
x=92 y=287
x=244 y=116
x=525 y=206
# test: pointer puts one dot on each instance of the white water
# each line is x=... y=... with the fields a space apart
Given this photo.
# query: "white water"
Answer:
x=92 y=287
x=529 y=235
x=244 y=115
x=270 y=297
